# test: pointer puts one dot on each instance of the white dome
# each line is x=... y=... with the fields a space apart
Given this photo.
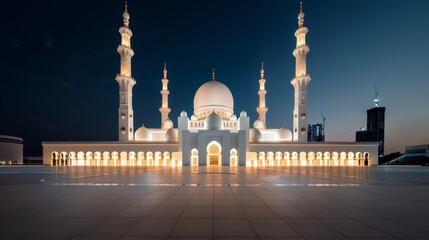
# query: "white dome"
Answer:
x=213 y=122
x=183 y=114
x=243 y=114
x=172 y=135
x=254 y=135
x=233 y=117
x=143 y=134
x=213 y=96
x=168 y=124
x=284 y=134
x=193 y=117
x=258 y=124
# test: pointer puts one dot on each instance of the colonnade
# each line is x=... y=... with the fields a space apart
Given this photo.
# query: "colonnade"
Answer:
x=97 y=158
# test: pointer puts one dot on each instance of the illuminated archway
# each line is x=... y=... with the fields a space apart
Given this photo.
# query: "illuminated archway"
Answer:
x=63 y=158
x=54 y=158
x=261 y=159
x=303 y=158
x=295 y=161
x=158 y=157
x=233 y=157
x=97 y=158
x=194 y=157
x=214 y=154
x=270 y=159
x=311 y=158
x=287 y=158
x=132 y=158
x=115 y=157
x=80 y=158
x=278 y=157
x=343 y=157
x=166 y=158
x=140 y=158
x=351 y=159
x=366 y=157
x=359 y=159
x=149 y=158
x=72 y=158
x=123 y=157
x=319 y=158
x=106 y=158
x=89 y=159
x=327 y=158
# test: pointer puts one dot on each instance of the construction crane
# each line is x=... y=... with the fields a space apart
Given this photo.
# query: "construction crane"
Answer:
x=376 y=100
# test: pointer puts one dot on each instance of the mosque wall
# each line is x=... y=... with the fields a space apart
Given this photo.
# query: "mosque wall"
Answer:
x=64 y=152
x=322 y=154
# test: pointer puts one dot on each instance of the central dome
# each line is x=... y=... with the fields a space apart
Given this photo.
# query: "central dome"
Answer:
x=213 y=96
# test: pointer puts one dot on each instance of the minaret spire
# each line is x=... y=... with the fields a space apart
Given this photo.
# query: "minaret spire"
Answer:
x=125 y=81
x=165 y=70
x=300 y=81
x=126 y=16
x=213 y=74
x=164 y=109
x=262 y=108
x=301 y=16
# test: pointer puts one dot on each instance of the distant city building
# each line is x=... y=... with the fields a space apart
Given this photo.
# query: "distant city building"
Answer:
x=11 y=150
x=414 y=155
x=316 y=132
x=213 y=135
x=374 y=128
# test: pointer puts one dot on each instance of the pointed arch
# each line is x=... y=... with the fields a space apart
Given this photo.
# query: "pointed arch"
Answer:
x=233 y=159
x=214 y=153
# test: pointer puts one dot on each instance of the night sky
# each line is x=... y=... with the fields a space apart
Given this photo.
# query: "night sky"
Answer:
x=59 y=62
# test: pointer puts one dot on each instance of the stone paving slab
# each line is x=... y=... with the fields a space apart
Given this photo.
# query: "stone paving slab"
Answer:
x=214 y=203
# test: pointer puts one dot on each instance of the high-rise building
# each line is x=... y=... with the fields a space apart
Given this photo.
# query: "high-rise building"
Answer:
x=374 y=128
x=316 y=132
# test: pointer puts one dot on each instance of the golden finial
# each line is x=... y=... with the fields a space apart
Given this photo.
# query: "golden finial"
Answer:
x=262 y=70
x=126 y=6
x=300 y=6
x=213 y=74
x=165 y=70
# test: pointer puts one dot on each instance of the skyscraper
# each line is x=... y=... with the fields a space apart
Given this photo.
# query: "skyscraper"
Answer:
x=374 y=128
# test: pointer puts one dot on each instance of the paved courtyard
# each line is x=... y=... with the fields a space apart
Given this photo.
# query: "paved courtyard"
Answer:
x=214 y=203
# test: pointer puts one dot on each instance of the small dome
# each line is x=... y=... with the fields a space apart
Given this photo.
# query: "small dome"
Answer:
x=183 y=114
x=213 y=122
x=258 y=124
x=193 y=117
x=254 y=135
x=243 y=114
x=172 y=135
x=233 y=117
x=168 y=124
x=284 y=134
x=143 y=134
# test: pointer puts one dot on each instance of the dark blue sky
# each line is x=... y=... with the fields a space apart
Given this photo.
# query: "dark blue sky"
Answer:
x=59 y=63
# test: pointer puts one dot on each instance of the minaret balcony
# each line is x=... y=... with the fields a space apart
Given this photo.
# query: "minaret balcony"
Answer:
x=301 y=50
x=124 y=50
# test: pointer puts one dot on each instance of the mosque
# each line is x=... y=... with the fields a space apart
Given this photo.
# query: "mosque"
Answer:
x=213 y=134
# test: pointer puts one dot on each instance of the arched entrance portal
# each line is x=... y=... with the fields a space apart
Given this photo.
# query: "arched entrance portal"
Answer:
x=214 y=154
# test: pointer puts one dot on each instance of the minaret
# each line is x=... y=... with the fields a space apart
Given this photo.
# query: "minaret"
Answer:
x=164 y=109
x=262 y=109
x=300 y=81
x=126 y=82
